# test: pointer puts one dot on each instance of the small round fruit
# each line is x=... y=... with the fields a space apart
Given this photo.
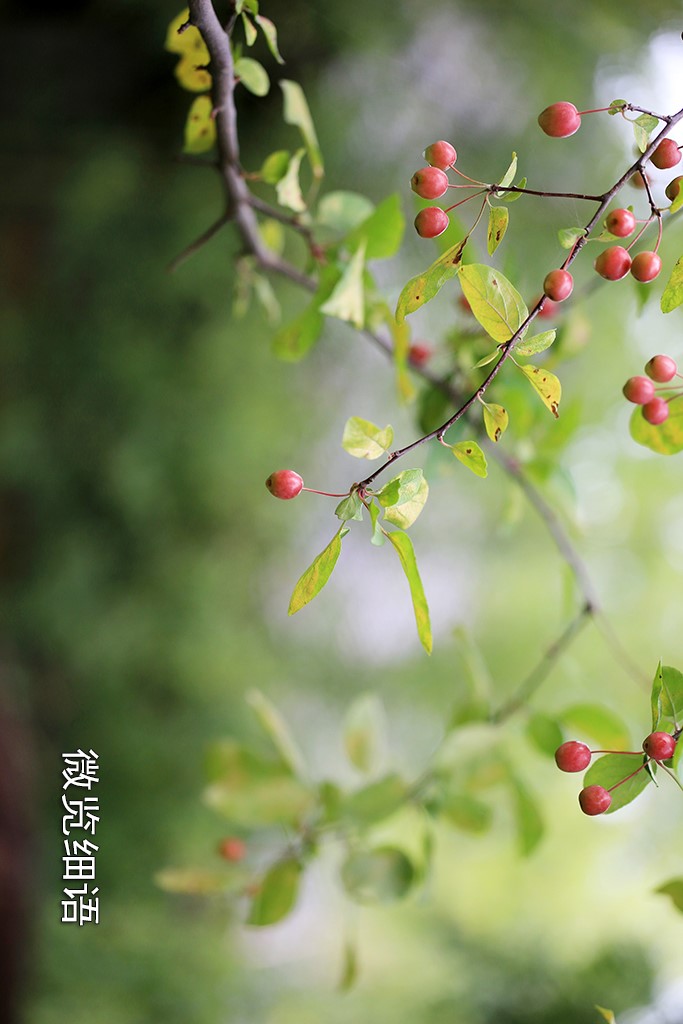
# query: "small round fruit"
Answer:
x=440 y=154
x=646 y=266
x=232 y=848
x=639 y=390
x=548 y=309
x=656 y=411
x=661 y=369
x=285 y=484
x=419 y=353
x=667 y=154
x=558 y=285
x=673 y=188
x=659 y=746
x=560 y=120
x=572 y=756
x=431 y=221
x=613 y=263
x=620 y=223
x=594 y=800
x=429 y=183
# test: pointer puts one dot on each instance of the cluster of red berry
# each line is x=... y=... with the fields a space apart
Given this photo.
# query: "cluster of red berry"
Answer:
x=431 y=182
x=641 y=390
x=574 y=756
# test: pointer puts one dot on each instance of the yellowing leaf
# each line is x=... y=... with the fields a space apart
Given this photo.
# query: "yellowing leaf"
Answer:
x=546 y=384
x=539 y=343
x=365 y=440
x=495 y=303
x=471 y=455
x=270 y=32
x=406 y=553
x=499 y=217
x=187 y=43
x=297 y=113
x=495 y=420
x=200 y=127
x=425 y=286
x=672 y=296
x=404 y=497
x=347 y=301
x=316 y=576
x=252 y=75
x=665 y=439
x=191 y=75
x=288 y=188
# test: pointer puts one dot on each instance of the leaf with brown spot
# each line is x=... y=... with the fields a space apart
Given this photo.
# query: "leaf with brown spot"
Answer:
x=425 y=286
x=546 y=384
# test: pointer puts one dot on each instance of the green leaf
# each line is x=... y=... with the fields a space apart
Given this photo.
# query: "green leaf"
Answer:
x=377 y=876
x=643 y=126
x=365 y=732
x=509 y=175
x=528 y=818
x=607 y=1014
x=495 y=420
x=297 y=113
x=400 y=335
x=253 y=791
x=378 y=535
x=270 y=33
x=296 y=339
x=665 y=439
x=471 y=455
x=616 y=106
x=405 y=551
x=656 y=696
x=672 y=296
x=350 y=969
x=569 y=236
x=376 y=801
x=277 y=731
x=365 y=440
x=382 y=230
x=499 y=217
x=277 y=893
x=350 y=508
x=610 y=769
x=316 y=576
x=347 y=301
x=342 y=211
x=495 y=303
x=672 y=693
x=466 y=812
x=598 y=723
x=676 y=203
x=404 y=497
x=544 y=732
x=252 y=75
x=198 y=881
x=485 y=360
x=200 y=127
x=425 y=286
x=539 y=343
x=512 y=197
x=674 y=890
x=288 y=188
x=275 y=166
x=546 y=384
x=250 y=32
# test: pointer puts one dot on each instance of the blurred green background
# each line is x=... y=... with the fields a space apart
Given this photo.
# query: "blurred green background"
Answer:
x=146 y=572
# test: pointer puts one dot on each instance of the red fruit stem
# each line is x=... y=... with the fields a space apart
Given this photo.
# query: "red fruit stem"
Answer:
x=466 y=200
x=328 y=494
x=646 y=224
x=473 y=180
x=636 y=752
x=622 y=781
x=597 y=110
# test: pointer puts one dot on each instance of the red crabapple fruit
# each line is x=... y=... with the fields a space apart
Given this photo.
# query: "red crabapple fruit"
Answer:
x=646 y=266
x=659 y=746
x=572 y=756
x=656 y=411
x=661 y=369
x=667 y=154
x=419 y=353
x=560 y=120
x=440 y=154
x=639 y=390
x=285 y=484
x=548 y=309
x=232 y=848
x=613 y=263
x=429 y=182
x=594 y=800
x=620 y=223
x=431 y=221
x=558 y=285
x=673 y=188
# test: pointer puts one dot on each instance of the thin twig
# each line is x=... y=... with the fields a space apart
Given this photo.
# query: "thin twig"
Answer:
x=198 y=243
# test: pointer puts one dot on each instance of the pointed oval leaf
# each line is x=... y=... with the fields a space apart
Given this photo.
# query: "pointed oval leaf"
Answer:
x=274 y=167
x=350 y=508
x=425 y=286
x=288 y=188
x=544 y=732
x=404 y=497
x=466 y=812
x=485 y=360
x=643 y=126
x=277 y=730
x=252 y=75
x=495 y=420
x=382 y=230
x=546 y=384
x=365 y=732
x=347 y=301
x=406 y=553
x=377 y=876
x=365 y=440
x=270 y=33
x=376 y=801
x=674 y=890
x=667 y=437
x=568 y=237
x=185 y=41
x=509 y=175
x=277 y=893
x=316 y=576
x=200 y=127
x=611 y=769
x=499 y=217
x=677 y=203
x=495 y=303
x=378 y=535
x=530 y=828
x=616 y=107
x=656 y=696
x=607 y=1014
x=471 y=455
x=598 y=723
x=539 y=343
x=192 y=75
x=672 y=296
x=672 y=693
x=512 y=197
x=297 y=113
x=195 y=881
x=342 y=211
x=295 y=340
x=250 y=32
